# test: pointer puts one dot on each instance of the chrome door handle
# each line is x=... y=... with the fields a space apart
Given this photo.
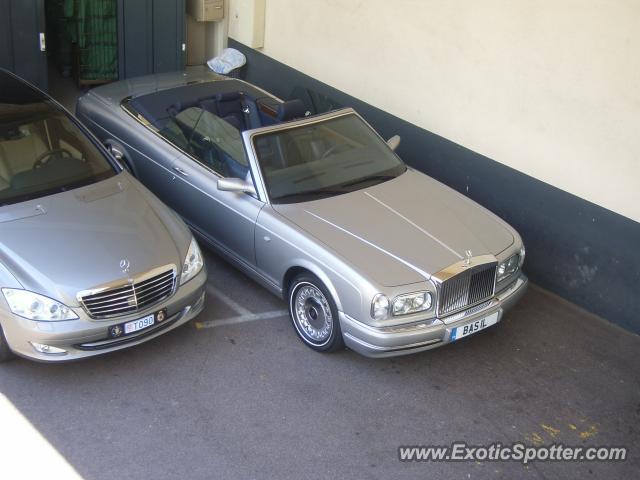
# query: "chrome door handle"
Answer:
x=181 y=171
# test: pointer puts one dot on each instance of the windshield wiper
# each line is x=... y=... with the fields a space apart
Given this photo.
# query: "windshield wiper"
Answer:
x=372 y=178
x=311 y=193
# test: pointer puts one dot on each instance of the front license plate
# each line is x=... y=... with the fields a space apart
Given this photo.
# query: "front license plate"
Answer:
x=140 y=324
x=473 y=327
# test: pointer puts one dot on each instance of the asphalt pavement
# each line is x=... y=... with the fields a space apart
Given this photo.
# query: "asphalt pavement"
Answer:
x=235 y=394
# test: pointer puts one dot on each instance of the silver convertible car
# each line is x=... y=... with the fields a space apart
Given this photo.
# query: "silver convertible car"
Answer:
x=90 y=260
x=366 y=251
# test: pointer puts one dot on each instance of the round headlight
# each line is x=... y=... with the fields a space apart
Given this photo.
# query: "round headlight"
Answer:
x=380 y=307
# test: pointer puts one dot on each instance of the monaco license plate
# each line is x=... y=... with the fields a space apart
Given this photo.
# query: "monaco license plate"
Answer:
x=473 y=327
x=140 y=324
x=133 y=326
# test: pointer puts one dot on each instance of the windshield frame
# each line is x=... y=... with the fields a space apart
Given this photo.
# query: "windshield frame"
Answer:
x=251 y=135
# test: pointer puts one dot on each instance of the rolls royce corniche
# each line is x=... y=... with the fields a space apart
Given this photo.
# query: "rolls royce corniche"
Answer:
x=366 y=251
x=90 y=260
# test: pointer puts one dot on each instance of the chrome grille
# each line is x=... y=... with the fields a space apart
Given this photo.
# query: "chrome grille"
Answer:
x=131 y=297
x=466 y=289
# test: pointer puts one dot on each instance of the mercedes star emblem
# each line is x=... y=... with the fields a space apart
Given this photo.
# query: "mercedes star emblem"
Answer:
x=125 y=265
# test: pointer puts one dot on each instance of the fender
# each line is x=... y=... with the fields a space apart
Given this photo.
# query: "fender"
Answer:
x=318 y=272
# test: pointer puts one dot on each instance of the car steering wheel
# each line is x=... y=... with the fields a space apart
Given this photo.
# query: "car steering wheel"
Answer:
x=40 y=160
x=334 y=149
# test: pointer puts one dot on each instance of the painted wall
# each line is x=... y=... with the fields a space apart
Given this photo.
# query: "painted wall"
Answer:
x=550 y=89
x=575 y=248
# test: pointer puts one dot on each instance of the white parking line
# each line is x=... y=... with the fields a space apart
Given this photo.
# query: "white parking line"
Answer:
x=251 y=317
x=228 y=300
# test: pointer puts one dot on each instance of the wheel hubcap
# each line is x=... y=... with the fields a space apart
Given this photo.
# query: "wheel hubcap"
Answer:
x=313 y=314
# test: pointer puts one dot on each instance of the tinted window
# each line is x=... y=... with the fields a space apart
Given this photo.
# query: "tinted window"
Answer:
x=324 y=158
x=43 y=152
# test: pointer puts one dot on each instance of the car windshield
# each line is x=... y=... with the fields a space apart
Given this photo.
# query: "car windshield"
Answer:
x=324 y=158
x=43 y=152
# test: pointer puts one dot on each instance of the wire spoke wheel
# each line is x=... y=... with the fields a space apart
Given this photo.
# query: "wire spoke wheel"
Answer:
x=312 y=314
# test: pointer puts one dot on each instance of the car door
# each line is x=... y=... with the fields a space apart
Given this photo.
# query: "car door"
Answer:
x=226 y=218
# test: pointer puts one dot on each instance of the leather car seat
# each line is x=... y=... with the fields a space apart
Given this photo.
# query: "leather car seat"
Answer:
x=290 y=110
x=229 y=106
x=18 y=155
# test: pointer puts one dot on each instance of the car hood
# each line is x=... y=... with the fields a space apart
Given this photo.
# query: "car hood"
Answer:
x=72 y=241
x=404 y=230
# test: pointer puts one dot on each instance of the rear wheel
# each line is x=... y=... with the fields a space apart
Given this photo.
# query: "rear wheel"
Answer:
x=314 y=314
x=5 y=351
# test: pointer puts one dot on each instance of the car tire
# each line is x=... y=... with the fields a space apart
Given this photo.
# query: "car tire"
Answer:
x=5 y=351
x=314 y=314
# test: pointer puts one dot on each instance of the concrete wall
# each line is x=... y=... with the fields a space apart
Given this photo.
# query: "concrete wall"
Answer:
x=548 y=88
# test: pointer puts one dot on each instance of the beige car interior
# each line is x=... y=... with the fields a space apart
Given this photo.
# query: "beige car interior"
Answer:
x=19 y=154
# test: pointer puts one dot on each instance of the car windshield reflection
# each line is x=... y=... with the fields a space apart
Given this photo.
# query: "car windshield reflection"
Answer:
x=42 y=152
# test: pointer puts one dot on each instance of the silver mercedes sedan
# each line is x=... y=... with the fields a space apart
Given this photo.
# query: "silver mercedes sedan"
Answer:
x=366 y=251
x=90 y=260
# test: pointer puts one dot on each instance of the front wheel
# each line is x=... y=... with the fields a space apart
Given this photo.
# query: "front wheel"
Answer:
x=314 y=314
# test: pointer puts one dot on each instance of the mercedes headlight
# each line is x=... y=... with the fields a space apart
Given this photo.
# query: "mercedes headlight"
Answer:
x=510 y=265
x=193 y=262
x=36 y=307
x=412 y=303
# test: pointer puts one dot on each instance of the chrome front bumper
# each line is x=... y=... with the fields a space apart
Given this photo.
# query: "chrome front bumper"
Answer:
x=423 y=335
x=86 y=337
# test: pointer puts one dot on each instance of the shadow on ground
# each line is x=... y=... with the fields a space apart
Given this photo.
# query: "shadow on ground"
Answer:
x=250 y=401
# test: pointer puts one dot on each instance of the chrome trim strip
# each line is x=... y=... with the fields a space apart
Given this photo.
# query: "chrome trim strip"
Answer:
x=408 y=264
x=414 y=225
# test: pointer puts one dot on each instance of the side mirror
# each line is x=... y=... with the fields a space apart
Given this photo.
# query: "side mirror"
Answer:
x=115 y=152
x=118 y=156
x=235 y=185
x=393 y=142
